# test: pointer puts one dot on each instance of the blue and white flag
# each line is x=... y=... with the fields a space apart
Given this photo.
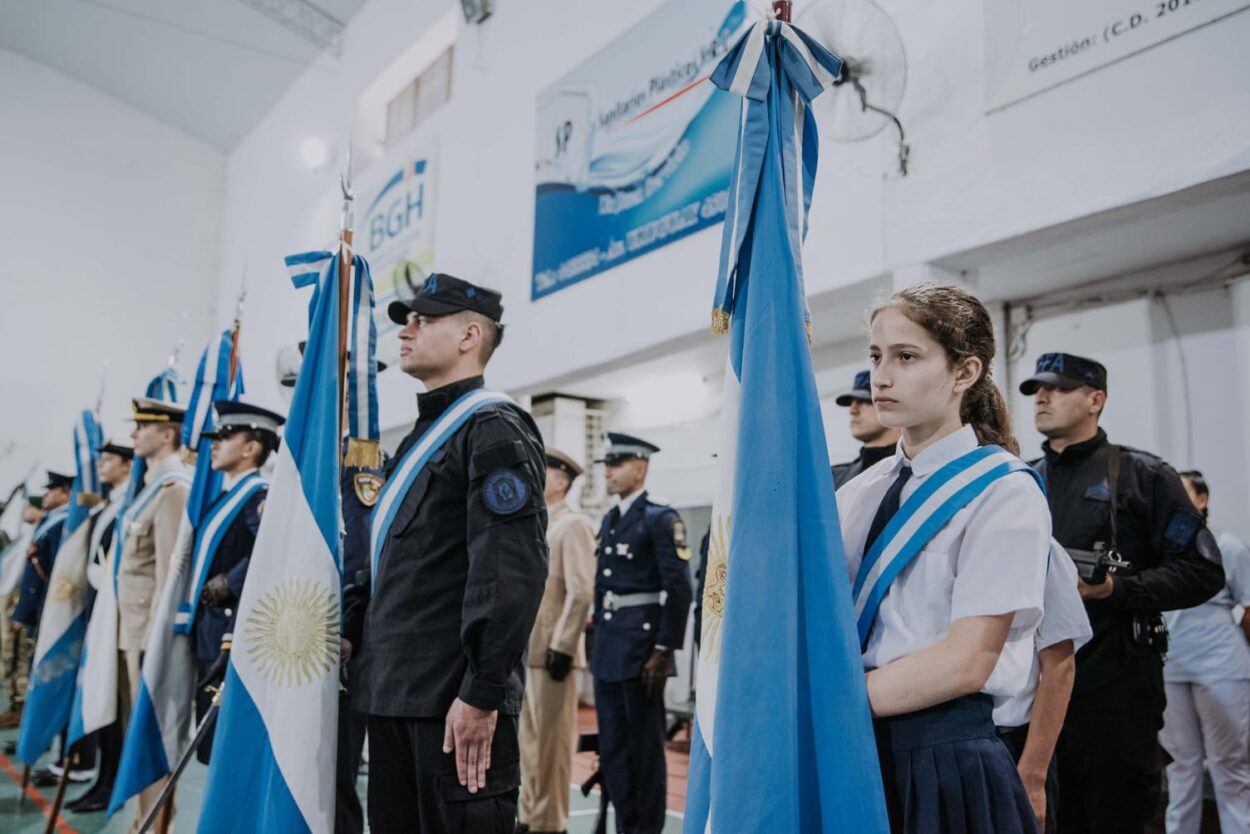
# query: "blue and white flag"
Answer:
x=158 y=729
x=63 y=622
x=777 y=621
x=13 y=556
x=281 y=687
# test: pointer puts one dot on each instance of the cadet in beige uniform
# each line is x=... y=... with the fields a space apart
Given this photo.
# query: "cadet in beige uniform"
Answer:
x=549 y=711
x=149 y=530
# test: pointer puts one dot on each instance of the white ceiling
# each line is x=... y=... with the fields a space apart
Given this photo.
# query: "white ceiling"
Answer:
x=210 y=68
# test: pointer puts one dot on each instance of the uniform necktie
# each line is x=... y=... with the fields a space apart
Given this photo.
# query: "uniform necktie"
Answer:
x=887 y=508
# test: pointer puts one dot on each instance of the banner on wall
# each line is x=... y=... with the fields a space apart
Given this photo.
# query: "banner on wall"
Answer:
x=1032 y=45
x=395 y=233
x=634 y=146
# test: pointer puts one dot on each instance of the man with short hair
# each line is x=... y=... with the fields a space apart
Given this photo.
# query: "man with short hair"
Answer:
x=879 y=442
x=42 y=551
x=1110 y=763
x=642 y=599
x=459 y=563
x=242 y=440
x=556 y=648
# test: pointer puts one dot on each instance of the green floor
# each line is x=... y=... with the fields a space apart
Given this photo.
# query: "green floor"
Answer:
x=24 y=816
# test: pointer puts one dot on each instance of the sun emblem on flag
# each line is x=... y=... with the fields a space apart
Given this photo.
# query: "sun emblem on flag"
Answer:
x=292 y=633
x=717 y=573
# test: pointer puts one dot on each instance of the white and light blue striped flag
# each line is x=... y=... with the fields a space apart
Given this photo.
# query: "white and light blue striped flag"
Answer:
x=777 y=621
x=158 y=730
x=63 y=622
x=273 y=754
x=13 y=556
x=95 y=696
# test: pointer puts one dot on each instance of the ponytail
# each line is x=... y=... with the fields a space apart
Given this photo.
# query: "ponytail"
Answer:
x=959 y=322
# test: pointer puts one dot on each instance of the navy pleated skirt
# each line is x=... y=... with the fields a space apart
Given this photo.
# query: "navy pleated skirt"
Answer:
x=946 y=772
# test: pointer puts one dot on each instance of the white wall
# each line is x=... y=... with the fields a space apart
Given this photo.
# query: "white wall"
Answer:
x=1124 y=133
x=110 y=229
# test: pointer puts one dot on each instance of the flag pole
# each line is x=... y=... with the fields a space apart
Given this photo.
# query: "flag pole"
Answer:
x=345 y=278
x=234 y=330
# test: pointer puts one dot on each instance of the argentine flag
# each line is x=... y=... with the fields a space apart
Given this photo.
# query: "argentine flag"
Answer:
x=783 y=739
x=95 y=697
x=158 y=731
x=13 y=556
x=273 y=758
x=63 y=622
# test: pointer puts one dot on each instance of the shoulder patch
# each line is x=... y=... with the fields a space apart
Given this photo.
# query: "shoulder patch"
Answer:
x=505 y=491
x=1182 y=527
x=368 y=487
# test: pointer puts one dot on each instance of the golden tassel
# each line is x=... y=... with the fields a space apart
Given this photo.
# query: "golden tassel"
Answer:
x=363 y=453
x=720 y=322
x=88 y=499
x=188 y=456
x=807 y=325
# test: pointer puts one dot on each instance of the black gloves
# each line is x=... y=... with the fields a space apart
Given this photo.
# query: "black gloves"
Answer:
x=217 y=672
x=558 y=664
x=655 y=673
x=216 y=592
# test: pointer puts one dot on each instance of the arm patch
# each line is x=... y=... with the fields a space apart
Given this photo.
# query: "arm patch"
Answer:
x=1181 y=528
x=505 y=491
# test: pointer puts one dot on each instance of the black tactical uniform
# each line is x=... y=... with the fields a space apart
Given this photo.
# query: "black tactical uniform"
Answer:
x=1109 y=758
x=457 y=585
x=861 y=390
x=360 y=487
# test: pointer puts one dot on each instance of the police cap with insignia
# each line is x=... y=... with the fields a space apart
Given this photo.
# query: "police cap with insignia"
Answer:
x=1066 y=372
x=116 y=447
x=623 y=447
x=232 y=416
x=861 y=389
x=288 y=378
x=59 y=480
x=559 y=460
x=148 y=410
x=443 y=294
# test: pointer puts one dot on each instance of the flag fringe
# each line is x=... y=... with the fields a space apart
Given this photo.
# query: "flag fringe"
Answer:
x=88 y=499
x=720 y=322
x=363 y=453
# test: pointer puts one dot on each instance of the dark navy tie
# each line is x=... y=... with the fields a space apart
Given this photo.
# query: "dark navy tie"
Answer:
x=887 y=508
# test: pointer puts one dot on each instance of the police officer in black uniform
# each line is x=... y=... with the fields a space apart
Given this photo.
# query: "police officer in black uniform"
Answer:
x=459 y=577
x=359 y=487
x=1109 y=758
x=244 y=437
x=41 y=554
x=879 y=441
x=642 y=598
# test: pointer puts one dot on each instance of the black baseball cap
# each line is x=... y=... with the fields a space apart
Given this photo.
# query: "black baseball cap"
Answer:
x=861 y=389
x=443 y=294
x=1066 y=372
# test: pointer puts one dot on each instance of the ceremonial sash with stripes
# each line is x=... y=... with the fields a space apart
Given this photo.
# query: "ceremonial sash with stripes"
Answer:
x=209 y=535
x=49 y=521
x=136 y=508
x=414 y=461
x=921 y=516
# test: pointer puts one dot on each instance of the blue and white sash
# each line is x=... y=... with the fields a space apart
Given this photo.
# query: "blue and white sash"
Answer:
x=49 y=521
x=392 y=495
x=921 y=516
x=135 y=509
x=212 y=528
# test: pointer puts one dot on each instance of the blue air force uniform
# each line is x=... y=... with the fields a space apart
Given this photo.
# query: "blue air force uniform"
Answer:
x=642 y=598
x=213 y=627
x=42 y=554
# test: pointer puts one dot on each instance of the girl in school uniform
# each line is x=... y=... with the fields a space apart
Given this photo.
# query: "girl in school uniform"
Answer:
x=946 y=544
